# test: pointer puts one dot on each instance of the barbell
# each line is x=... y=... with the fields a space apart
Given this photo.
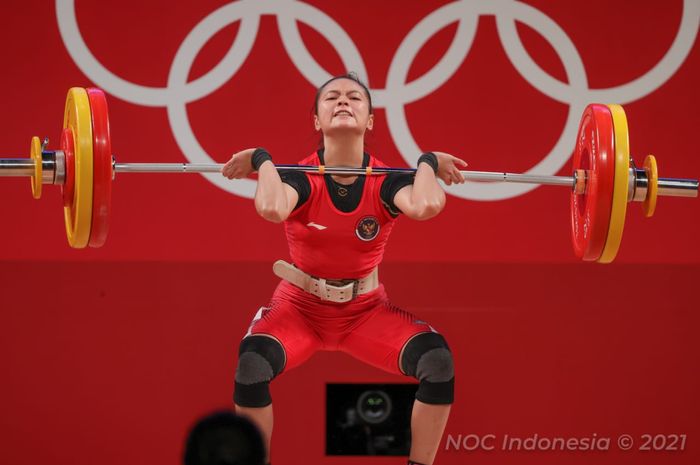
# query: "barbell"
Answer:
x=603 y=181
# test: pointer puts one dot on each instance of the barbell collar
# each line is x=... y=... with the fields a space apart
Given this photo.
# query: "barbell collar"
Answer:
x=48 y=167
x=638 y=185
x=53 y=167
x=59 y=172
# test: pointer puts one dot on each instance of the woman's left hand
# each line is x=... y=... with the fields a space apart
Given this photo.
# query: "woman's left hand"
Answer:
x=448 y=170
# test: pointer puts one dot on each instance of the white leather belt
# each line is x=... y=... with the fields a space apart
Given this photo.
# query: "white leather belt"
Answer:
x=342 y=290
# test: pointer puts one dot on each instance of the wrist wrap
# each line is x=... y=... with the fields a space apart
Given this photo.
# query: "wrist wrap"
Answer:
x=431 y=159
x=259 y=157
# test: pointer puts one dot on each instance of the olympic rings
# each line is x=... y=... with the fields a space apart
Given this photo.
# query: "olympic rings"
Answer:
x=398 y=93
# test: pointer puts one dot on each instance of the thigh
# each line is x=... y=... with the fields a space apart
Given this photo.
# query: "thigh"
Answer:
x=281 y=320
x=381 y=337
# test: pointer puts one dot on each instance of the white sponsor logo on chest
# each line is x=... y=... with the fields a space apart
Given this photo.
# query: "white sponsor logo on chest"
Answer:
x=317 y=226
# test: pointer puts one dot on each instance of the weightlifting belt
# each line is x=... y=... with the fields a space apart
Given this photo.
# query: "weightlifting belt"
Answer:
x=333 y=290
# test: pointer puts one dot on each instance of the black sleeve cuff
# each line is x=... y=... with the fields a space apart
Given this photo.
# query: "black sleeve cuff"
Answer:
x=299 y=182
x=393 y=183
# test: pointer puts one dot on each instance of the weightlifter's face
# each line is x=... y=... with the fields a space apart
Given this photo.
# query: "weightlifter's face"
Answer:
x=343 y=106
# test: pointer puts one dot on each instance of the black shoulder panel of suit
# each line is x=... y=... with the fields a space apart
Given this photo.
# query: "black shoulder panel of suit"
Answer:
x=393 y=183
x=300 y=183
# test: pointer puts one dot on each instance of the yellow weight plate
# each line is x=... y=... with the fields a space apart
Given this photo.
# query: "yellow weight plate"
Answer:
x=619 y=203
x=35 y=154
x=649 y=205
x=78 y=215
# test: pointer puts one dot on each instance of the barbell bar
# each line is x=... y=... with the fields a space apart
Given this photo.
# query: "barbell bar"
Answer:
x=24 y=167
x=604 y=178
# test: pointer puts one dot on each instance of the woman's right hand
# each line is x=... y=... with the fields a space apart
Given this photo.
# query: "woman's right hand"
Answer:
x=239 y=166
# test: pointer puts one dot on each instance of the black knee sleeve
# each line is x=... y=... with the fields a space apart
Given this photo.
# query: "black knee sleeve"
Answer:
x=428 y=358
x=260 y=359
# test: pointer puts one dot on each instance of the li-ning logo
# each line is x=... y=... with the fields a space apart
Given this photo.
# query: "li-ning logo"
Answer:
x=262 y=311
x=367 y=228
x=574 y=91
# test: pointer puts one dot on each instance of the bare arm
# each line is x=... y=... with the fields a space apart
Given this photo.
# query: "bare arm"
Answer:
x=425 y=198
x=274 y=200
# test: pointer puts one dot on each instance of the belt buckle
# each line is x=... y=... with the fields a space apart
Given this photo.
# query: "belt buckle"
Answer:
x=355 y=288
x=343 y=282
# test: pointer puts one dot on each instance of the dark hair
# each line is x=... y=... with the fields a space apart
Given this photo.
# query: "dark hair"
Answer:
x=352 y=76
x=224 y=438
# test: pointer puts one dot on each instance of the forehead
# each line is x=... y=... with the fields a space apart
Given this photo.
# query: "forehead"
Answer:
x=344 y=86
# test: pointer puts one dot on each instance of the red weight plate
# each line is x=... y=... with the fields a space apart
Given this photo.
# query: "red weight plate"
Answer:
x=68 y=188
x=102 y=168
x=595 y=154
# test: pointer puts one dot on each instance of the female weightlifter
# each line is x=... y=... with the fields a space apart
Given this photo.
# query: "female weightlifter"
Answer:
x=330 y=298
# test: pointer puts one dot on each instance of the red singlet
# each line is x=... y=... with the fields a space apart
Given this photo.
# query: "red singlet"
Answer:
x=328 y=243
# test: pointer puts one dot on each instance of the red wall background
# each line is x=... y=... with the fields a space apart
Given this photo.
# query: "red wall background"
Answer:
x=110 y=354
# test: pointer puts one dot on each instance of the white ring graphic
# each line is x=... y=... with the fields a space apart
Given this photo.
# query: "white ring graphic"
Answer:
x=144 y=95
x=332 y=31
x=398 y=93
x=287 y=12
